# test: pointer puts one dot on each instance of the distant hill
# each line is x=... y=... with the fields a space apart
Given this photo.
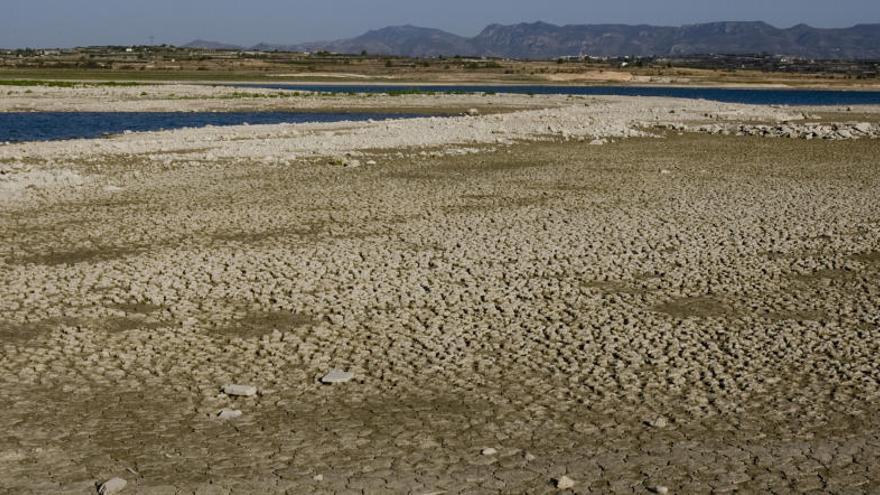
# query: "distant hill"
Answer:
x=541 y=40
x=408 y=41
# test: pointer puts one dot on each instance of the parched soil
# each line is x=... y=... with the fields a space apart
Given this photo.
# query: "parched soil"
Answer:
x=608 y=313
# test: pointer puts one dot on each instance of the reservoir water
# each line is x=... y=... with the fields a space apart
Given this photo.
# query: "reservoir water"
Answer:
x=45 y=126
x=728 y=95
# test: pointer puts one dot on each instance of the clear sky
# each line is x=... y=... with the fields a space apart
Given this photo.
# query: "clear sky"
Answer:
x=63 y=23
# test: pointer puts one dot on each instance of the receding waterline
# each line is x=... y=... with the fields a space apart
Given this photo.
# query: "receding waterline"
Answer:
x=48 y=126
x=726 y=95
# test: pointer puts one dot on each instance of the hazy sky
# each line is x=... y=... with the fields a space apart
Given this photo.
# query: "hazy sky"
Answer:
x=62 y=23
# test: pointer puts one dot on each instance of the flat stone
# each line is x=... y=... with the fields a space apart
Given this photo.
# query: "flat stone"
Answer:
x=565 y=483
x=227 y=414
x=337 y=376
x=489 y=451
x=240 y=390
x=114 y=485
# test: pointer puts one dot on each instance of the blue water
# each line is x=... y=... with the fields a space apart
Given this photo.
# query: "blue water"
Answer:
x=45 y=126
x=728 y=95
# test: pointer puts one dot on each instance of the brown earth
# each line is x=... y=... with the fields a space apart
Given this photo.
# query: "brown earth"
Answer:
x=549 y=300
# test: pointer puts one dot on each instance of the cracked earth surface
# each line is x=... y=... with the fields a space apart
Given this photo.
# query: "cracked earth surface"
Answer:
x=693 y=312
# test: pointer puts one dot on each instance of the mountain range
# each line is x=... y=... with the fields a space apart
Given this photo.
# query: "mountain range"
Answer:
x=541 y=40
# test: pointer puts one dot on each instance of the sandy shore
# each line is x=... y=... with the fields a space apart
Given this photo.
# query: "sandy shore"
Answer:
x=602 y=288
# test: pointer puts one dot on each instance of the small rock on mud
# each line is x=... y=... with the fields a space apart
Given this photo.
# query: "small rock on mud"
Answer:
x=337 y=376
x=240 y=390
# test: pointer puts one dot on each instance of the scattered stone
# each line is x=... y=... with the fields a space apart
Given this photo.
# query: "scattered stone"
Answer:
x=863 y=127
x=529 y=457
x=352 y=163
x=473 y=112
x=227 y=414
x=371 y=162
x=489 y=451
x=809 y=130
x=598 y=142
x=662 y=490
x=660 y=422
x=429 y=443
x=337 y=376
x=318 y=477
x=565 y=483
x=240 y=390
x=114 y=485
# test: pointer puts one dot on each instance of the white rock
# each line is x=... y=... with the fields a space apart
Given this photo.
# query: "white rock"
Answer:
x=227 y=414
x=318 y=477
x=863 y=127
x=240 y=390
x=529 y=457
x=111 y=486
x=337 y=376
x=489 y=451
x=662 y=490
x=565 y=483
x=660 y=422
x=473 y=112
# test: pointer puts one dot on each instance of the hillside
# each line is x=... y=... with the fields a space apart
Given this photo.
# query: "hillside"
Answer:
x=541 y=40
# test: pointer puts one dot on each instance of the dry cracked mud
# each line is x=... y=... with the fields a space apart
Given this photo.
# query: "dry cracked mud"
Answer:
x=688 y=311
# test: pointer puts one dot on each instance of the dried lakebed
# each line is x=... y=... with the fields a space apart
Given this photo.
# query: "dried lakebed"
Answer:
x=486 y=305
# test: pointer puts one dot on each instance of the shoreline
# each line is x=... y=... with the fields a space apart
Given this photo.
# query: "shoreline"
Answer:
x=371 y=81
x=229 y=97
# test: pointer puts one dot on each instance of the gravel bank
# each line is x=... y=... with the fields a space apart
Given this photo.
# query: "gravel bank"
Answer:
x=592 y=118
x=205 y=98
